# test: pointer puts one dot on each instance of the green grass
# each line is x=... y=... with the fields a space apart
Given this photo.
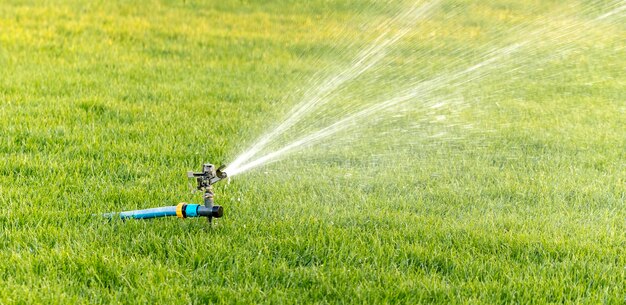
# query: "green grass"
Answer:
x=104 y=105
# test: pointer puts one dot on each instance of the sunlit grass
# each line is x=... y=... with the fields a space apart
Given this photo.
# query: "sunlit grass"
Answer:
x=105 y=105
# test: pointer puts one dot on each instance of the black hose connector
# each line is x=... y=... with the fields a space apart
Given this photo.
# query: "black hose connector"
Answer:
x=215 y=211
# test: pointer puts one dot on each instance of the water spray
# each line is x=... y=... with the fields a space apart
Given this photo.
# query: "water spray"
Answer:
x=205 y=179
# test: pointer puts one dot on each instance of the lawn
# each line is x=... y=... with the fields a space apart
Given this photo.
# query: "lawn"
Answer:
x=105 y=105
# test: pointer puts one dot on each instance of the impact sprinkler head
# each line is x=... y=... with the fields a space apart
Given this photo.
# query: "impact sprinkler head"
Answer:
x=207 y=177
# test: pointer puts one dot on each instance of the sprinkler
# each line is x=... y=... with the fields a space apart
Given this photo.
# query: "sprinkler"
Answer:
x=205 y=179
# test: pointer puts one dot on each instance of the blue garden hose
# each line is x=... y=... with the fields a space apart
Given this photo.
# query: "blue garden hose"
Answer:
x=182 y=210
